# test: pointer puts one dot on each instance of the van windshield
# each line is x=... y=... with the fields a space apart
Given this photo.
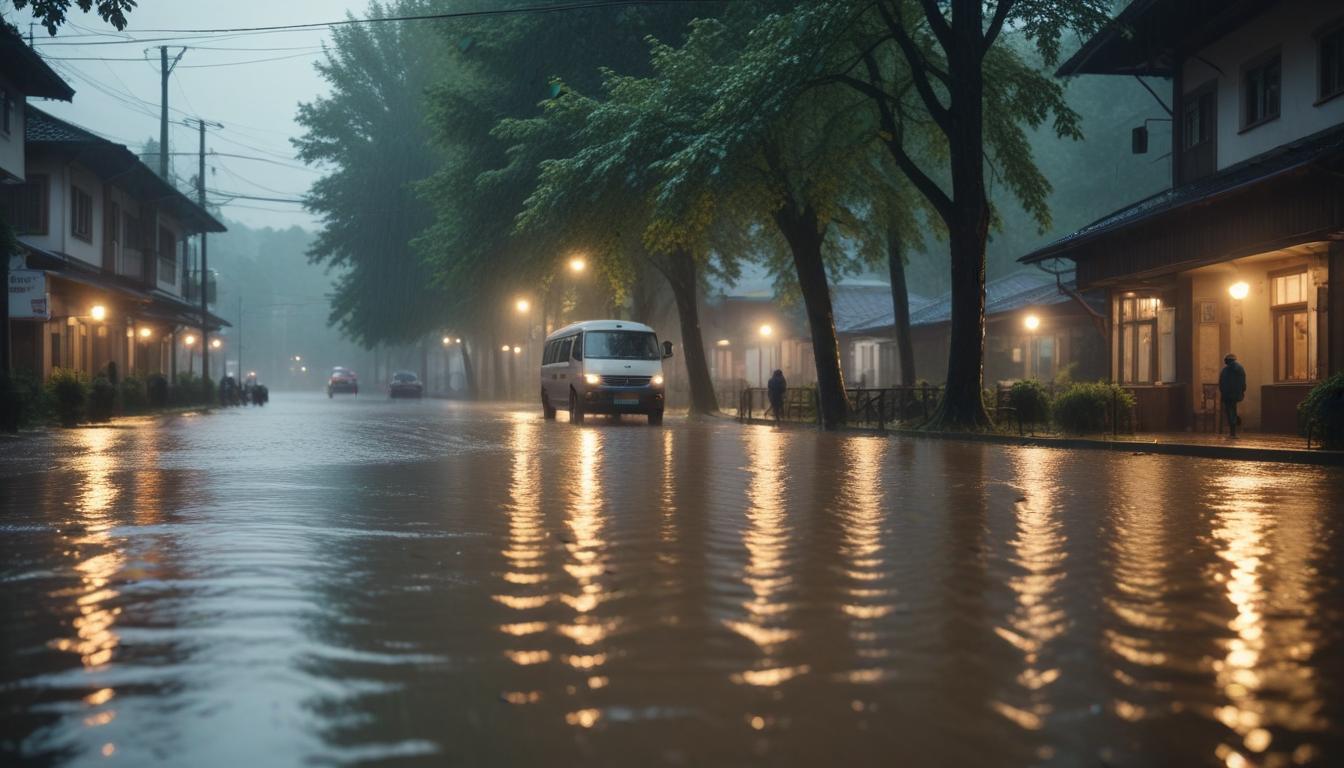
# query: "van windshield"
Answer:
x=620 y=345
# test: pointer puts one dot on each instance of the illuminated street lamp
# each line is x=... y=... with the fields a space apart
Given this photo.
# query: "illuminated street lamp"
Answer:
x=189 y=340
x=457 y=341
x=723 y=342
x=766 y=331
x=99 y=312
x=577 y=264
x=146 y=332
x=522 y=305
x=517 y=350
x=298 y=358
x=504 y=348
x=1239 y=290
x=216 y=343
x=1032 y=322
x=447 y=341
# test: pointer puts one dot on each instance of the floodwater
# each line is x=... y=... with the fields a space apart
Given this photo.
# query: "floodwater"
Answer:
x=364 y=581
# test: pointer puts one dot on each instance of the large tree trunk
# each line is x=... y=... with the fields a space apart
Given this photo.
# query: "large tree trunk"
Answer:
x=900 y=306
x=803 y=233
x=968 y=227
x=683 y=277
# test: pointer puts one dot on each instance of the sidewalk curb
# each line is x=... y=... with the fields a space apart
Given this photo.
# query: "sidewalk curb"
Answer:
x=1235 y=453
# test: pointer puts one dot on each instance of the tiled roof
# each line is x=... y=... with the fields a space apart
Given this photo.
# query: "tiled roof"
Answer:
x=42 y=127
x=1325 y=144
x=1022 y=289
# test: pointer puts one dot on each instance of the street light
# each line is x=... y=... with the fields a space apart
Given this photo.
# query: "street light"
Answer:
x=522 y=305
x=447 y=341
x=766 y=332
x=577 y=264
x=99 y=312
x=189 y=340
x=517 y=350
x=1032 y=322
x=146 y=332
x=1239 y=290
x=504 y=348
x=216 y=343
x=298 y=358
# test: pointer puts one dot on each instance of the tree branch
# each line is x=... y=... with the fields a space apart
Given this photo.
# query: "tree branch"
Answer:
x=938 y=23
x=918 y=73
x=1001 y=11
x=895 y=147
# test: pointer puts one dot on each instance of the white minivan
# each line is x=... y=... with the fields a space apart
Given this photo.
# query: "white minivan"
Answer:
x=603 y=366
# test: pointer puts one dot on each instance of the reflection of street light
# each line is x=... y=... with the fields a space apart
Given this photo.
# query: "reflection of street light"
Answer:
x=577 y=264
x=99 y=312
x=1239 y=290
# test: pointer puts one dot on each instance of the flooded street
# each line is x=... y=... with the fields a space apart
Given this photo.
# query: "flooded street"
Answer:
x=367 y=581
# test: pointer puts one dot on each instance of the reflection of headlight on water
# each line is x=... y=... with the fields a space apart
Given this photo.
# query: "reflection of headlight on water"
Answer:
x=658 y=380
x=592 y=378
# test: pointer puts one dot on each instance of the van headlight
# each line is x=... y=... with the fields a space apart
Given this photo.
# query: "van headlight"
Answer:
x=658 y=380
x=592 y=378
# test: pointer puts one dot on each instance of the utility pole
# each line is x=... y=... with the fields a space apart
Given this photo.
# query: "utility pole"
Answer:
x=205 y=265
x=165 y=69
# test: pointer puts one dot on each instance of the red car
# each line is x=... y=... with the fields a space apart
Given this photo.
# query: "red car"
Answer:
x=342 y=380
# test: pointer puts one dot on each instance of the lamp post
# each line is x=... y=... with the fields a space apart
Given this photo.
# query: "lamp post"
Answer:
x=189 y=341
x=766 y=331
x=1031 y=322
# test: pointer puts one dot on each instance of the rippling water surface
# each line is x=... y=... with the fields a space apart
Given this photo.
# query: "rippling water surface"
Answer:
x=359 y=581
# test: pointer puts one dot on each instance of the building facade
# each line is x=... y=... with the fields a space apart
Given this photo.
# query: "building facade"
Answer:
x=1244 y=253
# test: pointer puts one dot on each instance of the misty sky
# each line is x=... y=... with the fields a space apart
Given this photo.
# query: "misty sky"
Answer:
x=256 y=102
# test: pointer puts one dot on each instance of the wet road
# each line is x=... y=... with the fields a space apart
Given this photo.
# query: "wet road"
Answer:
x=364 y=581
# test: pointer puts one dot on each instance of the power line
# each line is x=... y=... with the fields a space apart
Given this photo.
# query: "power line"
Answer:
x=518 y=11
x=188 y=66
x=241 y=196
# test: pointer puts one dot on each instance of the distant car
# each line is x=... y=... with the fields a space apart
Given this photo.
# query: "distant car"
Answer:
x=405 y=384
x=342 y=380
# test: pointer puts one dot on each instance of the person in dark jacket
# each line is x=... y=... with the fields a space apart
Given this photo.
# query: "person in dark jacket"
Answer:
x=1232 y=388
x=775 y=388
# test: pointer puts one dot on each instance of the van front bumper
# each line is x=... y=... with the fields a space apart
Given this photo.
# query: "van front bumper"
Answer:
x=616 y=400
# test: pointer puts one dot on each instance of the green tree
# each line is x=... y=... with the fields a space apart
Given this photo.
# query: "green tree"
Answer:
x=52 y=13
x=979 y=92
x=371 y=137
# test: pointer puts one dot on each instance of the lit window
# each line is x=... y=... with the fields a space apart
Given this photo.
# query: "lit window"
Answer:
x=1292 y=331
x=1138 y=339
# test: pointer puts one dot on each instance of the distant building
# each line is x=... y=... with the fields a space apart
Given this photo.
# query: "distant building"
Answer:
x=1245 y=252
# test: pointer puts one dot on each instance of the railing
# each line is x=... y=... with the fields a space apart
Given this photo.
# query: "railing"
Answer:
x=800 y=404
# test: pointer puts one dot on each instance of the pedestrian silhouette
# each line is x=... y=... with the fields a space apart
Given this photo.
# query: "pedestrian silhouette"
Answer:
x=775 y=388
x=1232 y=388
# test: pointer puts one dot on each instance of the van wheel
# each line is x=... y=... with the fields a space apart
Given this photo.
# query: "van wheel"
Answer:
x=655 y=418
x=575 y=408
x=547 y=411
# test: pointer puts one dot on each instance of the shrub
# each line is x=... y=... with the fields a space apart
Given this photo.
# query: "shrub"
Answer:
x=102 y=399
x=1086 y=406
x=68 y=390
x=1325 y=406
x=21 y=401
x=205 y=391
x=133 y=394
x=184 y=392
x=1030 y=400
x=156 y=390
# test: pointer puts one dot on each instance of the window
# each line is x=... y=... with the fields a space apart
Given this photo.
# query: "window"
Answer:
x=562 y=356
x=25 y=205
x=1260 y=92
x=1138 y=339
x=1198 y=118
x=578 y=348
x=548 y=353
x=1292 y=335
x=167 y=256
x=81 y=214
x=1330 y=57
x=622 y=345
x=132 y=237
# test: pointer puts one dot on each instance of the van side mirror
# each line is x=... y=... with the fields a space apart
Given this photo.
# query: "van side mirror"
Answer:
x=667 y=349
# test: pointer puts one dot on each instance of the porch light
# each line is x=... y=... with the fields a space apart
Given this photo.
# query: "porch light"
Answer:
x=457 y=341
x=252 y=374
x=1032 y=322
x=723 y=342
x=1239 y=290
x=298 y=358
x=767 y=331
x=216 y=343
x=522 y=305
x=146 y=332
x=447 y=341
x=189 y=340
x=99 y=312
x=517 y=350
x=504 y=348
x=577 y=264
x=303 y=369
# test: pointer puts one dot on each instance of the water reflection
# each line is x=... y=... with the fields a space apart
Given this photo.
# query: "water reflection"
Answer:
x=1265 y=675
x=767 y=571
x=867 y=593
x=1038 y=556
x=586 y=563
x=525 y=575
